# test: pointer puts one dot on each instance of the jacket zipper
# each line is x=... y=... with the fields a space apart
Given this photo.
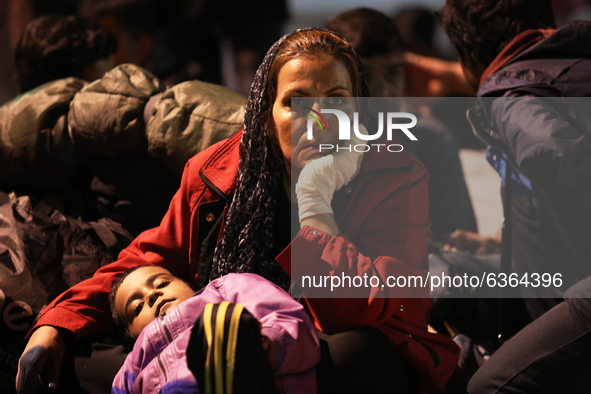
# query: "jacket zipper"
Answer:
x=162 y=368
x=169 y=337
x=165 y=328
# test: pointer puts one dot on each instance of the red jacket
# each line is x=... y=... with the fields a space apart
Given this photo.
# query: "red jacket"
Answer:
x=385 y=222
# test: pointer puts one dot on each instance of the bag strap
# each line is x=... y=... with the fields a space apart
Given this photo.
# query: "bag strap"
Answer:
x=108 y=238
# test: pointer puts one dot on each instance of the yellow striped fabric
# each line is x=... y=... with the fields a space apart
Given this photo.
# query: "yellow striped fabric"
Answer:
x=206 y=325
x=219 y=346
x=231 y=350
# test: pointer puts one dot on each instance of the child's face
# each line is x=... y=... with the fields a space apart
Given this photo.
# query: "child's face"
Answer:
x=147 y=293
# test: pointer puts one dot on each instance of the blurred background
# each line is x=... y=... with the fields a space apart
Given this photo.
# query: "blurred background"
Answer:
x=224 y=41
x=221 y=40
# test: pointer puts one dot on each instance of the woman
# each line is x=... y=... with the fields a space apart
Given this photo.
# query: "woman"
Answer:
x=239 y=187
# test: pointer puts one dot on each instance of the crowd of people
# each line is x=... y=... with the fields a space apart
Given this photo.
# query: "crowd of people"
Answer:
x=120 y=105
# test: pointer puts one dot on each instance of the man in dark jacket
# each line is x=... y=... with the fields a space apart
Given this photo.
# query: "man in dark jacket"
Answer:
x=546 y=138
x=525 y=73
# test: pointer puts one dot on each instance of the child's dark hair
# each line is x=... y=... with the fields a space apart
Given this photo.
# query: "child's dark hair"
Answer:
x=480 y=29
x=120 y=323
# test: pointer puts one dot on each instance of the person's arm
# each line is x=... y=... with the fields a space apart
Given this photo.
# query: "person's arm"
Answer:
x=46 y=348
x=391 y=220
x=128 y=374
x=156 y=363
x=83 y=309
x=553 y=152
x=324 y=222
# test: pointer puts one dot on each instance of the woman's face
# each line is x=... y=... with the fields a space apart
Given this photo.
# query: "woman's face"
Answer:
x=302 y=77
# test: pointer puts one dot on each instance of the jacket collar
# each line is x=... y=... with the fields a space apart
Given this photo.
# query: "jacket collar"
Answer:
x=520 y=43
x=542 y=61
x=220 y=169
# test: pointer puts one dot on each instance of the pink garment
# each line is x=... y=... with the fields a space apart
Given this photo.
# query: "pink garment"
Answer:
x=383 y=233
x=157 y=364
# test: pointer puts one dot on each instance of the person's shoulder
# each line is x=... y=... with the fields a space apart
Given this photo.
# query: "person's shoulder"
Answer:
x=384 y=154
x=399 y=173
x=215 y=167
x=391 y=159
x=220 y=156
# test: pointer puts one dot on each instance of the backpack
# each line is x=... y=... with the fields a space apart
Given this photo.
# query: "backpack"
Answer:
x=42 y=254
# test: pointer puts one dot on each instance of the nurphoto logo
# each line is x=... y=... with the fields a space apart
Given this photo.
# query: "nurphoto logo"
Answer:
x=345 y=129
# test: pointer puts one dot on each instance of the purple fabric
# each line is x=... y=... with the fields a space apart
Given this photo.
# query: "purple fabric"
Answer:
x=293 y=353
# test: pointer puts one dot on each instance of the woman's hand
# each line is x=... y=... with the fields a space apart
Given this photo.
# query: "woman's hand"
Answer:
x=45 y=350
x=320 y=178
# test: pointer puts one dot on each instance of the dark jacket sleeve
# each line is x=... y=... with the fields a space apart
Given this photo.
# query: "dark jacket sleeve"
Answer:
x=552 y=150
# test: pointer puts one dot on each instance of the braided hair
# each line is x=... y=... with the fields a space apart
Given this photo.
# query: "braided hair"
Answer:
x=247 y=239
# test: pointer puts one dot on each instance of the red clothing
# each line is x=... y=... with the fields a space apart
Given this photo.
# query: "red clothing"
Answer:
x=385 y=225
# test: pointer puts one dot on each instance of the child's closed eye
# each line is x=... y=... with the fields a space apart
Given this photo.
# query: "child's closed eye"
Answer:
x=138 y=309
x=162 y=285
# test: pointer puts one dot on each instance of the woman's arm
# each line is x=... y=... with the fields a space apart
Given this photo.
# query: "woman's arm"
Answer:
x=382 y=234
x=83 y=309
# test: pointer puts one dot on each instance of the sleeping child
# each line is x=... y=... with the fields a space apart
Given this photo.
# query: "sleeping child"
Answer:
x=240 y=334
